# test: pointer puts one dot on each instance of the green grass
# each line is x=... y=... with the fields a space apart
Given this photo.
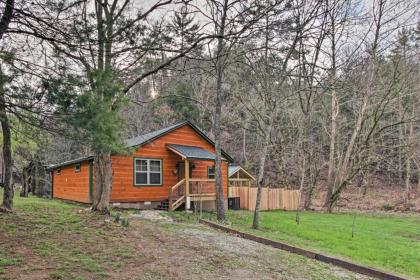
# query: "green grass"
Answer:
x=67 y=241
x=68 y=236
x=390 y=243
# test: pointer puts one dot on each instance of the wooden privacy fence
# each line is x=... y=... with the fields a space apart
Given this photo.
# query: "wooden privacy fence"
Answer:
x=270 y=198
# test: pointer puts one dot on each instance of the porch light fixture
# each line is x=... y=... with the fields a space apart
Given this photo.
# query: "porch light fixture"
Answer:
x=175 y=170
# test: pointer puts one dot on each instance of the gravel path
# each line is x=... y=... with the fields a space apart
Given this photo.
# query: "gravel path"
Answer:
x=194 y=251
x=151 y=215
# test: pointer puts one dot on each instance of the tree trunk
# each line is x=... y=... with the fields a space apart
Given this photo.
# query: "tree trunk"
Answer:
x=25 y=186
x=307 y=195
x=7 y=158
x=331 y=162
x=220 y=201
x=407 y=179
x=261 y=169
x=36 y=179
x=400 y=139
x=331 y=200
x=220 y=59
x=363 y=184
x=308 y=182
x=310 y=163
x=344 y=167
x=244 y=144
x=7 y=142
x=408 y=163
x=334 y=110
x=103 y=172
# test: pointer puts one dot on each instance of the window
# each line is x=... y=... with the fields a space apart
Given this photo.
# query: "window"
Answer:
x=211 y=172
x=147 y=171
x=58 y=171
x=77 y=168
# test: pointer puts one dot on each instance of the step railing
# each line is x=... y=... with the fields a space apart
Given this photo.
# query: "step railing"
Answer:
x=177 y=203
x=177 y=189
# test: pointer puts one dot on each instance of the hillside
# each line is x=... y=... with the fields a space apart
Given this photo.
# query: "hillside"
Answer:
x=383 y=193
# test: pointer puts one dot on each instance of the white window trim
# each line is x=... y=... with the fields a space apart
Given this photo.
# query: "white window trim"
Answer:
x=147 y=172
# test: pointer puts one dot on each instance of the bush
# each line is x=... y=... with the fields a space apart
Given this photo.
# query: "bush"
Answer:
x=388 y=207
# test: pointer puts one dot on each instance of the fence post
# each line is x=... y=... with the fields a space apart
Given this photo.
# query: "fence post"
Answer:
x=249 y=204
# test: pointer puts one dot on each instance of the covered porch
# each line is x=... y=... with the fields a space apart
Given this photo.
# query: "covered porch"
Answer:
x=196 y=177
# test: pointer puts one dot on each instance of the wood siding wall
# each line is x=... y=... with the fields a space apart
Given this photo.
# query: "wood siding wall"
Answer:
x=72 y=185
x=123 y=189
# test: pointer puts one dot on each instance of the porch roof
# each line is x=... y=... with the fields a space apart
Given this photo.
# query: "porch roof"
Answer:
x=191 y=152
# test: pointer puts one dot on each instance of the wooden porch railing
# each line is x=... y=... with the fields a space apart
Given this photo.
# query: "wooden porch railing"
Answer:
x=202 y=187
x=197 y=188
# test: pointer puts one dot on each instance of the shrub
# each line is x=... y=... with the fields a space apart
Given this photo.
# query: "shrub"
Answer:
x=388 y=207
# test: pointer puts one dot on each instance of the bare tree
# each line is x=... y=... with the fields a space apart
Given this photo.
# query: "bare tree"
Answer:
x=231 y=21
x=369 y=107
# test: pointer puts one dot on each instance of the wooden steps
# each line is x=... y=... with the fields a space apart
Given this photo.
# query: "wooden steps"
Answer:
x=166 y=206
x=177 y=203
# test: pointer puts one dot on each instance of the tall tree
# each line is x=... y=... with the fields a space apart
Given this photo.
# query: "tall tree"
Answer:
x=105 y=48
x=309 y=52
x=265 y=72
x=232 y=21
x=5 y=20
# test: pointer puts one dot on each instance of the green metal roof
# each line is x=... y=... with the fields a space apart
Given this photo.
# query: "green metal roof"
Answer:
x=233 y=169
x=73 y=161
x=149 y=137
x=192 y=152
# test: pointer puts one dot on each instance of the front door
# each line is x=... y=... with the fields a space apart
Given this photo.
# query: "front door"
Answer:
x=181 y=174
x=181 y=170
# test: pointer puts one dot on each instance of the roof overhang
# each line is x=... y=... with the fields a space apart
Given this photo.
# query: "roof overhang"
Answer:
x=73 y=161
x=192 y=152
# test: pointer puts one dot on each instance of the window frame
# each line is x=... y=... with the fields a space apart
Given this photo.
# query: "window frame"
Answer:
x=208 y=172
x=135 y=159
x=78 y=170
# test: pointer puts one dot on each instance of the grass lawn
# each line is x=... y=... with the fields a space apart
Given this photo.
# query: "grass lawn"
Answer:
x=57 y=240
x=51 y=239
x=390 y=243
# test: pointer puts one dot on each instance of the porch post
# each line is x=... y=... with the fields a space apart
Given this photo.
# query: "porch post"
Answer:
x=187 y=184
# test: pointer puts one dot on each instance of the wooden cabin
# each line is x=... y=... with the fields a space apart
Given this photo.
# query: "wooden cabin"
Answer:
x=239 y=177
x=170 y=167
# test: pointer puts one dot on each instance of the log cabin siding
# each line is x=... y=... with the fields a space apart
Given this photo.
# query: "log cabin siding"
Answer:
x=72 y=185
x=123 y=188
